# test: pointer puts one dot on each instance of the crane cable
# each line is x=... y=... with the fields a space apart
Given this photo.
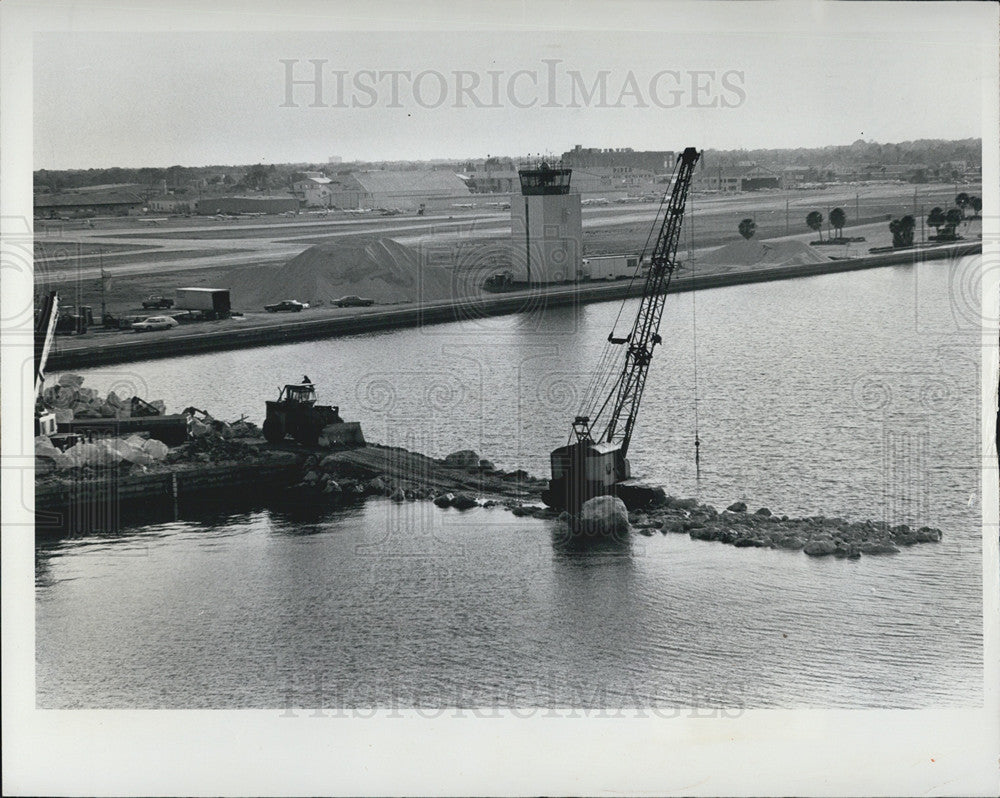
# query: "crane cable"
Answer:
x=694 y=344
x=604 y=371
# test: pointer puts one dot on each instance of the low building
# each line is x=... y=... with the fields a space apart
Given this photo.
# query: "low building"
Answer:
x=313 y=190
x=656 y=162
x=171 y=204
x=210 y=206
x=500 y=181
x=87 y=203
x=734 y=179
x=405 y=190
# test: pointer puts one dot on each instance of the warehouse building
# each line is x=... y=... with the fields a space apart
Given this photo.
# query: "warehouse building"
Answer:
x=405 y=190
x=210 y=206
x=87 y=203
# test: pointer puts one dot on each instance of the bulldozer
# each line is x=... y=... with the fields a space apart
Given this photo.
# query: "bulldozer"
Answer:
x=296 y=413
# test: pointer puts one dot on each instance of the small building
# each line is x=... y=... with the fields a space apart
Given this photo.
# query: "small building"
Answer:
x=313 y=190
x=210 y=206
x=171 y=204
x=734 y=179
x=608 y=267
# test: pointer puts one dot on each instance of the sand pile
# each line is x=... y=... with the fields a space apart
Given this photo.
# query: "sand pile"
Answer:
x=763 y=253
x=382 y=269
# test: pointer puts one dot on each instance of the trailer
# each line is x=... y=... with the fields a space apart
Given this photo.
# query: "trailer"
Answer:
x=212 y=300
x=608 y=267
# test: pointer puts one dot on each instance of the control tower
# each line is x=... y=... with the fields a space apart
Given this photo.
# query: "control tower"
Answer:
x=546 y=226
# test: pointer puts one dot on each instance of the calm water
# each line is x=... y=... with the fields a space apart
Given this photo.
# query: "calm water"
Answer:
x=852 y=394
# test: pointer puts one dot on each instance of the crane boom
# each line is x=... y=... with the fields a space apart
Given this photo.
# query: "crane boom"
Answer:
x=586 y=467
x=645 y=331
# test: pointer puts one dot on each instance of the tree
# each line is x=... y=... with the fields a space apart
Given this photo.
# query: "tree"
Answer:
x=815 y=222
x=902 y=231
x=747 y=228
x=936 y=219
x=962 y=201
x=838 y=219
x=952 y=219
x=977 y=206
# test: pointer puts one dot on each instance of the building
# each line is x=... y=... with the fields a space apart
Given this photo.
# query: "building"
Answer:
x=210 y=206
x=313 y=190
x=546 y=226
x=497 y=181
x=87 y=203
x=405 y=190
x=741 y=178
x=656 y=162
x=171 y=204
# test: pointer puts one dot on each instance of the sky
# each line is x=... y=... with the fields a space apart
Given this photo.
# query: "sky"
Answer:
x=147 y=98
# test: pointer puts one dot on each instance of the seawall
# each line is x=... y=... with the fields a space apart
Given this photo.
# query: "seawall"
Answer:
x=128 y=349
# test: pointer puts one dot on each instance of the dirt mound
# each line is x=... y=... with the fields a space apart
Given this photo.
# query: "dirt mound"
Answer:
x=382 y=269
x=763 y=253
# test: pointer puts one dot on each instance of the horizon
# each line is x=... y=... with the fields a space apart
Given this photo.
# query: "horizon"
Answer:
x=481 y=156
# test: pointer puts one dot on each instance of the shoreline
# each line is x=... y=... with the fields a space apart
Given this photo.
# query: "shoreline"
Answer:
x=84 y=503
x=90 y=354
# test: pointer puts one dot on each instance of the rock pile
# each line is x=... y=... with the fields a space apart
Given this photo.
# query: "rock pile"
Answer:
x=69 y=400
x=134 y=450
x=817 y=536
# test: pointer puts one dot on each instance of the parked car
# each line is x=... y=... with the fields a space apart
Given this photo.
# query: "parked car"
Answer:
x=289 y=305
x=157 y=303
x=353 y=302
x=154 y=323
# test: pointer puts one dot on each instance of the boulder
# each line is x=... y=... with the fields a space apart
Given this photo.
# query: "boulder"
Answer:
x=398 y=495
x=684 y=504
x=377 y=485
x=793 y=542
x=465 y=458
x=737 y=507
x=463 y=501
x=311 y=477
x=444 y=500
x=604 y=515
x=155 y=448
x=70 y=380
x=763 y=511
x=329 y=463
x=486 y=465
x=819 y=548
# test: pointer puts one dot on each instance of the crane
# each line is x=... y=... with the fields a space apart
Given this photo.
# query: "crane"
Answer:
x=45 y=326
x=592 y=466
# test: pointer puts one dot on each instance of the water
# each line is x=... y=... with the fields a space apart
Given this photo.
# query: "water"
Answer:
x=852 y=394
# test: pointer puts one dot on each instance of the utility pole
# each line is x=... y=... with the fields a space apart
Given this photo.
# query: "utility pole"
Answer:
x=103 y=307
x=786 y=217
x=857 y=208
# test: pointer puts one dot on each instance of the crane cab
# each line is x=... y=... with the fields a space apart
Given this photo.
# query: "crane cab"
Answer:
x=583 y=470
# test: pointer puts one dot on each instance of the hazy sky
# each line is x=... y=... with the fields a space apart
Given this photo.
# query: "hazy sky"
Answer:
x=157 y=99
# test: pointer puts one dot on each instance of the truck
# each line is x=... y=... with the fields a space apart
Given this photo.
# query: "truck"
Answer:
x=214 y=301
x=156 y=302
x=608 y=267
